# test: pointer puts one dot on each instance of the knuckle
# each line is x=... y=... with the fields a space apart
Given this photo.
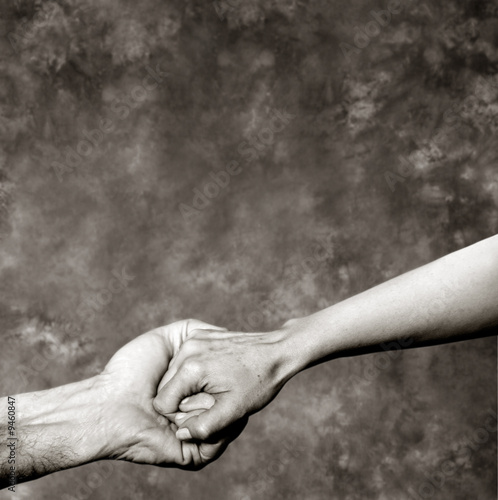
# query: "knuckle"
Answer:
x=192 y=366
x=185 y=349
x=190 y=346
x=191 y=326
x=197 y=334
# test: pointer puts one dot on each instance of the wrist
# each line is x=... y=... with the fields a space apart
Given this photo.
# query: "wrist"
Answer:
x=291 y=358
x=304 y=342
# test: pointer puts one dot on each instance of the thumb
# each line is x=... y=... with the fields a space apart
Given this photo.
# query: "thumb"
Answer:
x=185 y=382
x=209 y=422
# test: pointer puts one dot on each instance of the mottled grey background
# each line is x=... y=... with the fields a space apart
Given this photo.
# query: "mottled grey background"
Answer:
x=389 y=162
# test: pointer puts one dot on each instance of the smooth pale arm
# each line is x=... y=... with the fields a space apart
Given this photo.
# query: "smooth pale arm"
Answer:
x=450 y=299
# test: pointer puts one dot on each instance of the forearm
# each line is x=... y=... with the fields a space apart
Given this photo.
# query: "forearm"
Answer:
x=55 y=429
x=448 y=299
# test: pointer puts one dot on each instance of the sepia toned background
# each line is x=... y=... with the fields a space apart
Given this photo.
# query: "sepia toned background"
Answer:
x=245 y=163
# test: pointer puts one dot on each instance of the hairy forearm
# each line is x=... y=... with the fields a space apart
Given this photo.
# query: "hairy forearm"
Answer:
x=449 y=299
x=51 y=430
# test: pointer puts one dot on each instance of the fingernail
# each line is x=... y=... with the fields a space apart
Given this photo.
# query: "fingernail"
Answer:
x=185 y=400
x=180 y=417
x=183 y=434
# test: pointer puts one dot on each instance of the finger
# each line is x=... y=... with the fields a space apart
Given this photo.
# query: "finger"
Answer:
x=193 y=457
x=185 y=383
x=210 y=452
x=198 y=455
x=170 y=373
x=195 y=324
x=188 y=329
x=183 y=417
x=175 y=363
x=217 y=334
x=201 y=401
x=209 y=423
x=188 y=406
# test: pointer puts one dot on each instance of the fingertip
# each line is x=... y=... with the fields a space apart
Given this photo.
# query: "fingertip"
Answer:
x=183 y=434
x=158 y=406
x=180 y=417
x=200 y=401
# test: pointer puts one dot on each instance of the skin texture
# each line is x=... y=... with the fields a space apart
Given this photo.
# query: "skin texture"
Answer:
x=177 y=395
x=453 y=298
x=110 y=416
x=241 y=371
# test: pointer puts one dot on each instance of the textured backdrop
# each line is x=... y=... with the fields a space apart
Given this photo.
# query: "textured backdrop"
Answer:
x=244 y=163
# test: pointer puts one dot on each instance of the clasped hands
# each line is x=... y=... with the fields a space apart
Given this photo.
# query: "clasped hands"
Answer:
x=179 y=394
